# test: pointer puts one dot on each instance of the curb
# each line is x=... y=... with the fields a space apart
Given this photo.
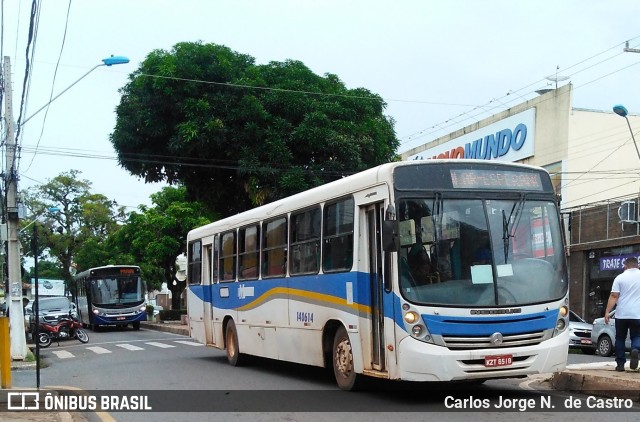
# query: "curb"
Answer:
x=168 y=328
x=605 y=383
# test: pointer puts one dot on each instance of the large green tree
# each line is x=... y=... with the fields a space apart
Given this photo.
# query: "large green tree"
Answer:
x=155 y=236
x=237 y=134
x=68 y=215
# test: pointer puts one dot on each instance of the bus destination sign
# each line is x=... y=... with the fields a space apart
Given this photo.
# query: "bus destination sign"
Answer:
x=495 y=179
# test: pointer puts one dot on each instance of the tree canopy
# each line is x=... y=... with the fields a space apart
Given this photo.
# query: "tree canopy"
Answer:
x=69 y=216
x=237 y=134
x=155 y=236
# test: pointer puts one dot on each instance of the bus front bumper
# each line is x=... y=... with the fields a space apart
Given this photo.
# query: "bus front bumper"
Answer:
x=419 y=361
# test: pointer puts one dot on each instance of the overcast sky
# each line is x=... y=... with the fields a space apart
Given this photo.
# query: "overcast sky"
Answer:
x=440 y=65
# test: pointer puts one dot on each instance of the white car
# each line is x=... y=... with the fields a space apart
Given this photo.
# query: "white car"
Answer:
x=580 y=334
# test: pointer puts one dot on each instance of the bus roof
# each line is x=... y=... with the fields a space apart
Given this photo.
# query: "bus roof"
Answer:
x=333 y=190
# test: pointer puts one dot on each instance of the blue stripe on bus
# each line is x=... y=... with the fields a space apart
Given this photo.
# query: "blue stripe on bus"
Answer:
x=483 y=326
x=331 y=285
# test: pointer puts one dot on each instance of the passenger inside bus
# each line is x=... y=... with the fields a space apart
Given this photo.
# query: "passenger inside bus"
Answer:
x=420 y=265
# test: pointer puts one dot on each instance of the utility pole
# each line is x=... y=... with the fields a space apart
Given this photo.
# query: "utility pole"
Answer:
x=16 y=312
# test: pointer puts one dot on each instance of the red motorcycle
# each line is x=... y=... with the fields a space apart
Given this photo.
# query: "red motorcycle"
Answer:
x=65 y=328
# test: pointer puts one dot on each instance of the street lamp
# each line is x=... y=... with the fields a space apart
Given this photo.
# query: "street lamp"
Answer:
x=621 y=110
x=109 y=61
x=18 y=340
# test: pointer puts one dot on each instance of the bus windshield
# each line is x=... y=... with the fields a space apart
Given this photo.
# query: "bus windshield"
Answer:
x=480 y=252
x=117 y=290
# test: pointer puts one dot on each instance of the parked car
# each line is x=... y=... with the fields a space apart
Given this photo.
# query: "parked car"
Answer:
x=580 y=334
x=51 y=308
x=604 y=335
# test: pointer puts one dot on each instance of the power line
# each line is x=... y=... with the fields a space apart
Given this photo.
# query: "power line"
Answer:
x=424 y=132
x=53 y=83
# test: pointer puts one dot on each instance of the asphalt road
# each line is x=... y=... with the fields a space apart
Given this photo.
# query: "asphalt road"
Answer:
x=139 y=361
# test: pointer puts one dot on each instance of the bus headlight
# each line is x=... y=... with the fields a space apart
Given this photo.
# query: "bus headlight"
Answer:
x=417 y=330
x=560 y=324
x=411 y=317
x=95 y=311
x=564 y=311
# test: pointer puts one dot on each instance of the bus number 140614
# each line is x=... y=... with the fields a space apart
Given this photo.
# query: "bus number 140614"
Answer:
x=304 y=316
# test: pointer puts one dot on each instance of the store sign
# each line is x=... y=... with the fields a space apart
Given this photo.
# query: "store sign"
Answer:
x=511 y=139
x=615 y=263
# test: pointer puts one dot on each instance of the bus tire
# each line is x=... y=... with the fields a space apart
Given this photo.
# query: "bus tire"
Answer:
x=136 y=325
x=343 y=369
x=231 y=345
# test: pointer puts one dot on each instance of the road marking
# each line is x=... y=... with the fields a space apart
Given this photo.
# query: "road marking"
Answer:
x=129 y=347
x=160 y=345
x=62 y=354
x=188 y=343
x=99 y=350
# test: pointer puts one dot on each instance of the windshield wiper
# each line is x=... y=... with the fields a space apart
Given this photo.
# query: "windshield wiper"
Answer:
x=509 y=232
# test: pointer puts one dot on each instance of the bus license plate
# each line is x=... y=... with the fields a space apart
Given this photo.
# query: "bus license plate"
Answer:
x=120 y=318
x=501 y=360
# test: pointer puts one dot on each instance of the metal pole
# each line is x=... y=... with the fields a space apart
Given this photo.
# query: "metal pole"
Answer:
x=36 y=305
x=5 y=359
x=632 y=136
x=59 y=94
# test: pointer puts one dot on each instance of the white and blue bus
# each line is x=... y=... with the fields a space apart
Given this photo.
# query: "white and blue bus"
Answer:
x=111 y=295
x=433 y=270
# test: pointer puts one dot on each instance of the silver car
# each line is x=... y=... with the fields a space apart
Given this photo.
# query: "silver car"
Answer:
x=604 y=335
x=580 y=334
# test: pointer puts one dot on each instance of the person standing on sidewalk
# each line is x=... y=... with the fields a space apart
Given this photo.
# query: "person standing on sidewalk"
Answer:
x=625 y=295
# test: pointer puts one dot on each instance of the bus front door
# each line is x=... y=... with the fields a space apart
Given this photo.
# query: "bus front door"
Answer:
x=374 y=214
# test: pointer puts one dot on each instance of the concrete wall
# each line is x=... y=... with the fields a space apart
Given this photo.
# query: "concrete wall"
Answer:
x=602 y=162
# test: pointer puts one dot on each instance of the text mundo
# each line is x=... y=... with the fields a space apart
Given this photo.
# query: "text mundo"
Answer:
x=489 y=147
x=542 y=402
x=105 y=403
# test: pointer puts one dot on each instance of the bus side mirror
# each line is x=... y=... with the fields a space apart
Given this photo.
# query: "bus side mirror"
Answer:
x=390 y=236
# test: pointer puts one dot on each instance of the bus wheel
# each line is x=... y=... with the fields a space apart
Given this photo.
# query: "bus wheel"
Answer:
x=231 y=342
x=343 y=370
x=136 y=325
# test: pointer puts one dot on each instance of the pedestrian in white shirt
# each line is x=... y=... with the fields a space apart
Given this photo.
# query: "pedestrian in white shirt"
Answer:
x=625 y=295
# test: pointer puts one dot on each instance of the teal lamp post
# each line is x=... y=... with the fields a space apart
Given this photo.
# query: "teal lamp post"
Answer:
x=621 y=110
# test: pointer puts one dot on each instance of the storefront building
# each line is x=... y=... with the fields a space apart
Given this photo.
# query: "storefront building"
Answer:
x=595 y=168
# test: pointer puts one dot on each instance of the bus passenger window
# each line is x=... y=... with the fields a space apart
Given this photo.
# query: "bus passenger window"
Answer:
x=248 y=254
x=194 y=262
x=305 y=242
x=338 y=236
x=274 y=248
x=228 y=257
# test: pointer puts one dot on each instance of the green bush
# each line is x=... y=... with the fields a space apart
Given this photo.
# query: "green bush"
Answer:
x=149 y=309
